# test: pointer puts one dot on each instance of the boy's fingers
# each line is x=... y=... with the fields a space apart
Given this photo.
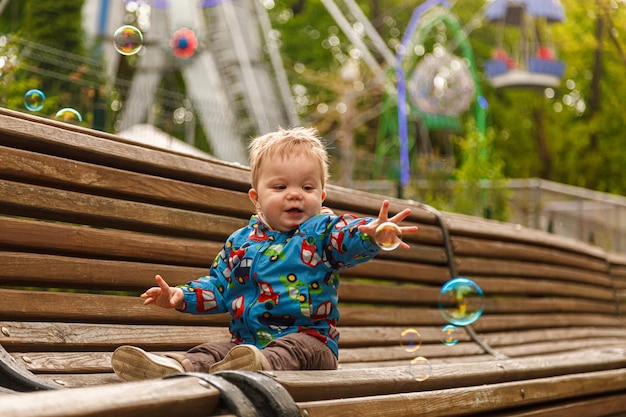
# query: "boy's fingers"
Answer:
x=162 y=284
x=401 y=216
x=384 y=211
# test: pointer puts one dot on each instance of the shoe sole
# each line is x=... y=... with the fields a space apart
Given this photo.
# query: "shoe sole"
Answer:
x=240 y=358
x=133 y=364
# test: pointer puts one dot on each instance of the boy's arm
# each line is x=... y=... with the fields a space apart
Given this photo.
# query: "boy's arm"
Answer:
x=206 y=294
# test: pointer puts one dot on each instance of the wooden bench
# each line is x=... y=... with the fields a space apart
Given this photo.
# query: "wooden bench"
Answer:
x=87 y=219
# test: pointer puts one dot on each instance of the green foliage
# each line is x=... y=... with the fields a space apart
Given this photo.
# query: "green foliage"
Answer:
x=477 y=186
x=55 y=23
x=480 y=188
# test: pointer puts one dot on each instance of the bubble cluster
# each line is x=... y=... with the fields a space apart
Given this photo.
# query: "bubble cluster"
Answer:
x=450 y=335
x=34 y=100
x=461 y=301
x=127 y=40
x=410 y=340
x=69 y=115
x=388 y=236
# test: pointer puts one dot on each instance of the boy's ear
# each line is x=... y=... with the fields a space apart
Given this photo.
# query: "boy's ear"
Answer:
x=323 y=195
x=254 y=197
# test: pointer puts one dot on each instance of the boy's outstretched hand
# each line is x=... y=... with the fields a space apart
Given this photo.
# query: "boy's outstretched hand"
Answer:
x=370 y=228
x=163 y=295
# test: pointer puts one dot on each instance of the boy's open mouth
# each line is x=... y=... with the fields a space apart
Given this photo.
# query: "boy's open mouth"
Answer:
x=294 y=210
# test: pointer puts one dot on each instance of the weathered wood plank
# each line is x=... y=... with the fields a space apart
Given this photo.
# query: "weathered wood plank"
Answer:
x=24 y=269
x=352 y=383
x=63 y=140
x=47 y=336
x=50 y=336
x=555 y=334
x=146 y=398
x=358 y=292
x=46 y=170
x=94 y=308
x=474 y=400
x=468 y=226
x=34 y=236
x=36 y=270
x=542 y=286
x=489 y=248
x=73 y=207
x=498 y=267
x=492 y=323
x=613 y=405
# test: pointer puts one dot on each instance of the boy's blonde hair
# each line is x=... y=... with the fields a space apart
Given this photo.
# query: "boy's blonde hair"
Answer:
x=286 y=142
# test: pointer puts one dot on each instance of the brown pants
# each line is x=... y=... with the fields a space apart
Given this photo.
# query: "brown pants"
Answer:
x=292 y=352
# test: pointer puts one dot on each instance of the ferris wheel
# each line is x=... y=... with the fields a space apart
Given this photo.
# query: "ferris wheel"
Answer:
x=235 y=83
x=433 y=83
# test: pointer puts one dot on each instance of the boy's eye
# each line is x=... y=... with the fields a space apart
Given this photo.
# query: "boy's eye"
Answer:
x=280 y=187
x=307 y=188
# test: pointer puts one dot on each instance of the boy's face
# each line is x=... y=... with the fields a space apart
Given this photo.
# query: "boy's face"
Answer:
x=288 y=191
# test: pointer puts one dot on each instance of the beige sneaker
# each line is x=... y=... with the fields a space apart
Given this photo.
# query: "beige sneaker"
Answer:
x=131 y=363
x=241 y=358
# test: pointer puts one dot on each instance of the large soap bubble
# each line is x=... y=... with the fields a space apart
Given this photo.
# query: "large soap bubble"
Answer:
x=461 y=301
x=127 y=40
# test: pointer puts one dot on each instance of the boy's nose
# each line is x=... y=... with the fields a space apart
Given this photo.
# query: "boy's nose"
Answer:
x=294 y=194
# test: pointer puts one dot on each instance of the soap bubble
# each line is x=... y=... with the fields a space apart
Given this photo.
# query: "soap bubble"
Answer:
x=69 y=115
x=410 y=340
x=420 y=368
x=388 y=236
x=127 y=40
x=450 y=335
x=34 y=99
x=461 y=301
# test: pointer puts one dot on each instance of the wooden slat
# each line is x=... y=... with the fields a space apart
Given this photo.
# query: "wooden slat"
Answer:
x=542 y=287
x=351 y=383
x=357 y=292
x=602 y=344
x=60 y=139
x=94 y=308
x=68 y=206
x=55 y=306
x=154 y=398
x=486 y=248
x=18 y=268
x=33 y=336
x=400 y=271
x=35 y=270
x=497 y=323
x=613 y=405
x=475 y=400
x=498 y=267
x=462 y=225
x=395 y=353
x=553 y=334
x=46 y=170
x=34 y=236
x=504 y=305
x=391 y=336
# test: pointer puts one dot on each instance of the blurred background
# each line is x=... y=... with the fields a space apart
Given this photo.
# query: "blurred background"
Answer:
x=511 y=110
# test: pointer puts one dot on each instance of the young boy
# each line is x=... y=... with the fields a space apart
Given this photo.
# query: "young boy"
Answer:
x=277 y=277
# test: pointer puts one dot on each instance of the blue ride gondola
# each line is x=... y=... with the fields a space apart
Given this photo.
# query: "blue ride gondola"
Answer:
x=531 y=60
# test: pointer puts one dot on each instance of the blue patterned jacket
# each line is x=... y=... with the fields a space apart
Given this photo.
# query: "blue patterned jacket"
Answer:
x=275 y=283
